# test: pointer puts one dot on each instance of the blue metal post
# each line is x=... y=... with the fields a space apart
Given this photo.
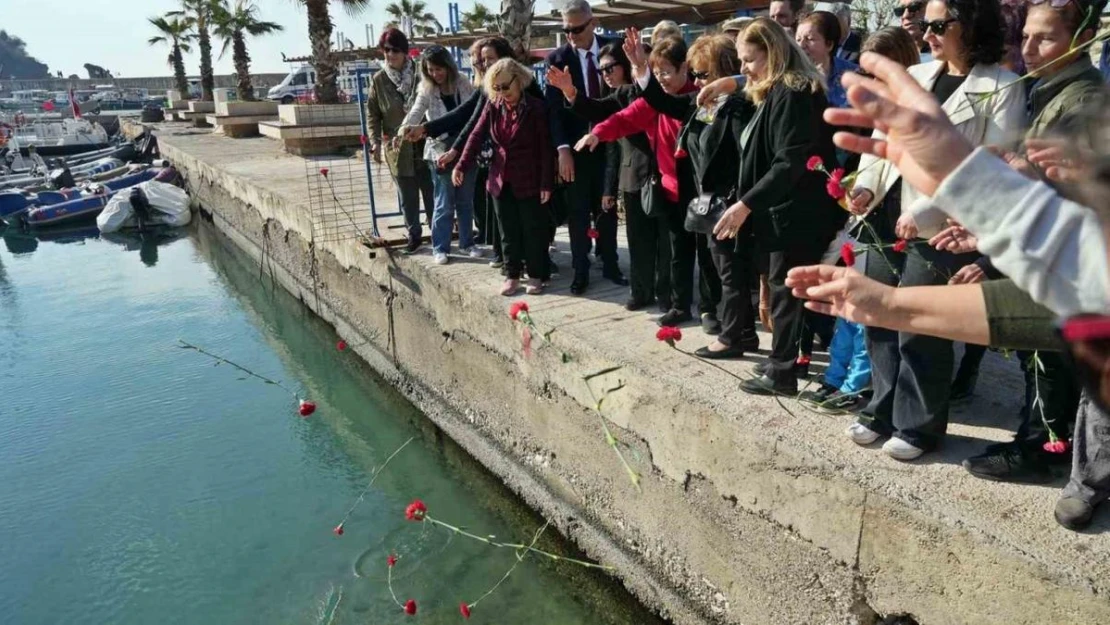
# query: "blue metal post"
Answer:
x=360 y=74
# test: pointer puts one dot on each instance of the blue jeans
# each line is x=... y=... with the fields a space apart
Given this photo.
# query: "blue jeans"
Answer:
x=849 y=366
x=452 y=201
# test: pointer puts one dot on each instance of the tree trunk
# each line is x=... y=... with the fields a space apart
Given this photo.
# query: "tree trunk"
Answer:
x=516 y=25
x=319 y=33
x=242 y=66
x=207 y=79
x=179 y=72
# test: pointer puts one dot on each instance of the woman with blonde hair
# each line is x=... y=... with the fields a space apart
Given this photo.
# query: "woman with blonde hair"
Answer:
x=521 y=170
x=793 y=218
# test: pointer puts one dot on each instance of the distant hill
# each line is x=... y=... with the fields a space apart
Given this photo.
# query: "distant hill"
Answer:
x=15 y=60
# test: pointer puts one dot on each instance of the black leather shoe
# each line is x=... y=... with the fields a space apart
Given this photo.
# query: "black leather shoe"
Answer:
x=635 y=303
x=764 y=385
x=1009 y=463
x=579 y=285
x=615 y=276
x=710 y=324
x=675 y=317
x=728 y=353
x=413 y=245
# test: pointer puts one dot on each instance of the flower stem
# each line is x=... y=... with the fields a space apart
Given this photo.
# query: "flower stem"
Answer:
x=1038 y=403
x=221 y=359
x=517 y=546
x=612 y=440
x=519 y=559
x=373 y=478
x=389 y=581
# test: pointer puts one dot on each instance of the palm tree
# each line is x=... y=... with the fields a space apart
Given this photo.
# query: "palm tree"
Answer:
x=232 y=25
x=416 y=12
x=200 y=13
x=516 y=24
x=479 y=18
x=319 y=34
x=177 y=32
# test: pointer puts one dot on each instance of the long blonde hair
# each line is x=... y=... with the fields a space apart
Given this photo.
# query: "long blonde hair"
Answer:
x=509 y=68
x=786 y=63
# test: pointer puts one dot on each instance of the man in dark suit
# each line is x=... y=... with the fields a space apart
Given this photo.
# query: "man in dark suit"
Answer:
x=582 y=172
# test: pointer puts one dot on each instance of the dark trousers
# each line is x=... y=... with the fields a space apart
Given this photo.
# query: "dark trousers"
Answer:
x=524 y=225
x=686 y=247
x=583 y=198
x=411 y=189
x=787 y=312
x=484 y=218
x=734 y=259
x=649 y=251
x=1059 y=390
x=912 y=373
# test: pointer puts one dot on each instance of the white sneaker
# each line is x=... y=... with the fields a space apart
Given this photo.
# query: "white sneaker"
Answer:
x=901 y=450
x=439 y=258
x=474 y=252
x=861 y=434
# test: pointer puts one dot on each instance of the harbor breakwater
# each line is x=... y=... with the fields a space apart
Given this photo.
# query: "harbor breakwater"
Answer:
x=748 y=510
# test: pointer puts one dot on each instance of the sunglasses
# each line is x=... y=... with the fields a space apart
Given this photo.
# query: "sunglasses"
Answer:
x=939 y=27
x=505 y=87
x=608 y=69
x=911 y=8
x=699 y=75
x=1088 y=349
x=575 y=30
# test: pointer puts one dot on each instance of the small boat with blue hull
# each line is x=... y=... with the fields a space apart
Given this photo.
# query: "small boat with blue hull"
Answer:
x=79 y=171
x=90 y=201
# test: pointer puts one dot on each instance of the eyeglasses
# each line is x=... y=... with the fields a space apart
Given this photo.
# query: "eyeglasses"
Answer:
x=608 y=69
x=1088 y=348
x=699 y=75
x=505 y=87
x=939 y=27
x=575 y=30
x=662 y=74
x=392 y=50
x=911 y=8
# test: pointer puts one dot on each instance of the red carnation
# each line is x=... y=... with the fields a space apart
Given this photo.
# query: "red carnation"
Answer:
x=847 y=254
x=341 y=345
x=815 y=163
x=410 y=607
x=803 y=360
x=899 y=246
x=416 y=510
x=306 y=408
x=669 y=335
x=465 y=610
x=338 y=531
x=837 y=175
x=834 y=189
x=363 y=139
x=391 y=560
x=516 y=308
x=1056 y=447
x=324 y=172
x=680 y=153
x=592 y=233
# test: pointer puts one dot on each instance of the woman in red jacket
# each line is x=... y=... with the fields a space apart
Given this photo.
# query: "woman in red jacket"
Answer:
x=516 y=124
x=668 y=63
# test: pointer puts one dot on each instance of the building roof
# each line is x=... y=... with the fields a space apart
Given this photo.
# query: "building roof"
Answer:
x=617 y=14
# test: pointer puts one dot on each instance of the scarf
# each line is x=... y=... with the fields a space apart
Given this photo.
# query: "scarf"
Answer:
x=403 y=79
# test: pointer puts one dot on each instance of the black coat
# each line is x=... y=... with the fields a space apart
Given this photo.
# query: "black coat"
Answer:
x=629 y=167
x=566 y=127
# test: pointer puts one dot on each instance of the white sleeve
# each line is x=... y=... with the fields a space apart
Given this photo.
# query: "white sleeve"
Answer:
x=1051 y=247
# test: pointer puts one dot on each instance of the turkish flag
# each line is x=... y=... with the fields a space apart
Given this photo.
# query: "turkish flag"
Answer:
x=48 y=106
x=73 y=105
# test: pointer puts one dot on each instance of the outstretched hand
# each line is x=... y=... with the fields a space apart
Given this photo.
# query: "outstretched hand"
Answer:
x=722 y=86
x=840 y=292
x=634 y=50
x=589 y=142
x=956 y=239
x=921 y=142
x=561 y=80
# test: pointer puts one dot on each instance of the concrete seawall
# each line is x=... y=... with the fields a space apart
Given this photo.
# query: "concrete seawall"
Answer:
x=752 y=511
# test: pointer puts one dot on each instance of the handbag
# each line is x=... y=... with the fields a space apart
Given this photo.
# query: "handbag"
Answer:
x=704 y=211
x=652 y=197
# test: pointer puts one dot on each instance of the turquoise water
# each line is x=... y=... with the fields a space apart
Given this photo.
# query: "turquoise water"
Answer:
x=141 y=484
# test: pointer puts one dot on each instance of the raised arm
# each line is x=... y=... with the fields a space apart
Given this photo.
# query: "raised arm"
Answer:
x=474 y=142
x=456 y=119
x=678 y=107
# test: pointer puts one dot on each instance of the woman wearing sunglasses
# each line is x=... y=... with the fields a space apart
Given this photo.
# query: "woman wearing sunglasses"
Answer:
x=912 y=373
x=521 y=172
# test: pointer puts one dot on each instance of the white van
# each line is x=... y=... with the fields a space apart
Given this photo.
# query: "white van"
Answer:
x=300 y=84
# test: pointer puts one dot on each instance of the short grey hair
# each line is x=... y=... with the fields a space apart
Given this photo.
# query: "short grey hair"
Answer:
x=577 y=7
x=842 y=10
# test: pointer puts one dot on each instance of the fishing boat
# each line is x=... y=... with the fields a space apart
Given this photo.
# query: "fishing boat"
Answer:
x=92 y=200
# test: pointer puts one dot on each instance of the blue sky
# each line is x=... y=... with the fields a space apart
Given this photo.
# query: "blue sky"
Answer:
x=66 y=34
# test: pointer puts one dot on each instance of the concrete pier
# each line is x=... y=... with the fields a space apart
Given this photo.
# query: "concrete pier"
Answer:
x=752 y=510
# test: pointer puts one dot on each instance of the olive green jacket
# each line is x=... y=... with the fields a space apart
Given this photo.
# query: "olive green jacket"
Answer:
x=385 y=110
x=1060 y=101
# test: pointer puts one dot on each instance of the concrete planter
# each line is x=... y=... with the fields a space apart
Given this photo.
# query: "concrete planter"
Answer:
x=196 y=106
x=319 y=114
x=241 y=109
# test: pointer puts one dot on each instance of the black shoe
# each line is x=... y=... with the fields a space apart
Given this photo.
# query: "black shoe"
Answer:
x=635 y=303
x=615 y=276
x=800 y=371
x=725 y=354
x=413 y=245
x=963 y=388
x=1074 y=513
x=710 y=324
x=764 y=385
x=819 y=396
x=839 y=403
x=1009 y=463
x=579 y=285
x=674 y=317
x=665 y=305
x=505 y=270
x=750 y=342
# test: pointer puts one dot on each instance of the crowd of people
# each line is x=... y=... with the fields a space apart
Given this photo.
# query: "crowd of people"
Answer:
x=950 y=164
